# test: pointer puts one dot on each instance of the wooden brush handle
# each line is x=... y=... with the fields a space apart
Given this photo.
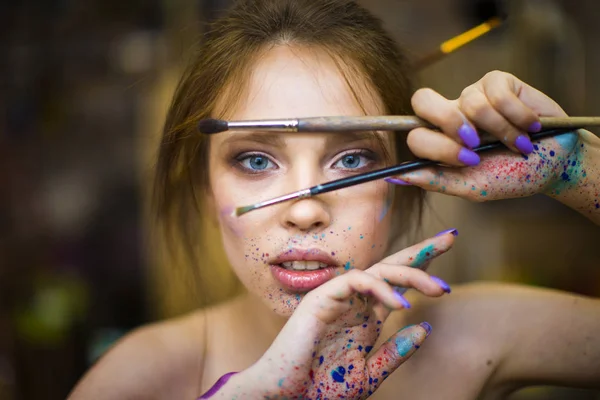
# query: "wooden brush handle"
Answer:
x=365 y=123
x=409 y=122
x=568 y=122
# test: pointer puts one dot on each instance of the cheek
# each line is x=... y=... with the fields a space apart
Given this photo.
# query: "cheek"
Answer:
x=364 y=216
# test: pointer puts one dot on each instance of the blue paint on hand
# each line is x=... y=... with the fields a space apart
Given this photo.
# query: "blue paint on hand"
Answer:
x=338 y=374
x=403 y=345
x=423 y=256
x=567 y=141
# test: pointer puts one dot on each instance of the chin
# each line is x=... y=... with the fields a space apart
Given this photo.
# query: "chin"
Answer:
x=280 y=301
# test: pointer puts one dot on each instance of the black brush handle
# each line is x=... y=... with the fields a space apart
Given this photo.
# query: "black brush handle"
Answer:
x=413 y=165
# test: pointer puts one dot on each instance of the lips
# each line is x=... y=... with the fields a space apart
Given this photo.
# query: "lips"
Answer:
x=317 y=268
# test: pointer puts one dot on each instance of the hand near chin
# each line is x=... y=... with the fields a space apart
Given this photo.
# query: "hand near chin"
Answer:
x=326 y=348
x=508 y=109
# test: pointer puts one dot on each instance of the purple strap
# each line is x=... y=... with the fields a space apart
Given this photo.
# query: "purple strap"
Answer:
x=213 y=390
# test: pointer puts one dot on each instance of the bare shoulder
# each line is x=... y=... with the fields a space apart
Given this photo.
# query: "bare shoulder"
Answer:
x=488 y=338
x=161 y=360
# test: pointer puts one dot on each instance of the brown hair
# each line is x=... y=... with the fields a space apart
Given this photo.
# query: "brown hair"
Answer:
x=220 y=68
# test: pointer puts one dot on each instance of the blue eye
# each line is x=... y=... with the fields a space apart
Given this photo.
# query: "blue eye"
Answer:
x=256 y=162
x=352 y=161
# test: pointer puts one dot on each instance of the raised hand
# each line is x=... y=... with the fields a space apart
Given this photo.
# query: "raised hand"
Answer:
x=325 y=350
x=507 y=108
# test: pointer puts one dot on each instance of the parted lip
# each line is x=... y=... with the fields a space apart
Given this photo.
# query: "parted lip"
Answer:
x=295 y=254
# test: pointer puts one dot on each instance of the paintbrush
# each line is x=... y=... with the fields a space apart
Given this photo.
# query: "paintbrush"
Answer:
x=378 y=174
x=451 y=45
x=400 y=123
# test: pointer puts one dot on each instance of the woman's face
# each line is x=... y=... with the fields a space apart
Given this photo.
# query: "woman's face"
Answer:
x=283 y=251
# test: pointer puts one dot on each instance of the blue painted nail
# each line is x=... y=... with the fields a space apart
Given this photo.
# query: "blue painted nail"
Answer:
x=397 y=181
x=427 y=327
x=535 y=127
x=453 y=231
x=445 y=287
x=401 y=299
x=524 y=144
x=468 y=135
x=468 y=157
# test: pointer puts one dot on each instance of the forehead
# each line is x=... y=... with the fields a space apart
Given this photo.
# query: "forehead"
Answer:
x=290 y=82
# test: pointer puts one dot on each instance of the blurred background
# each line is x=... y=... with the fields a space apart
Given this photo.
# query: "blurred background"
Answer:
x=85 y=86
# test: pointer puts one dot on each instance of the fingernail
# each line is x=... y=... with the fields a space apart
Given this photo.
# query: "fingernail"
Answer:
x=468 y=135
x=397 y=181
x=524 y=144
x=401 y=300
x=468 y=157
x=400 y=289
x=445 y=287
x=427 y=327
x=535 y=127
x=453 y=231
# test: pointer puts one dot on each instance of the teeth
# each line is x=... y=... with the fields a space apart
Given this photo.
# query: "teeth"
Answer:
x=303 y=265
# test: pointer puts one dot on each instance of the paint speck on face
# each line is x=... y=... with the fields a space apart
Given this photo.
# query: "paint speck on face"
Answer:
x=347 y=266
x=483 y=193
x=280 y=383
x=362 y=236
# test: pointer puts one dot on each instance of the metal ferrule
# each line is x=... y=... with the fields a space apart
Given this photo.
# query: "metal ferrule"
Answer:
x=279 y=125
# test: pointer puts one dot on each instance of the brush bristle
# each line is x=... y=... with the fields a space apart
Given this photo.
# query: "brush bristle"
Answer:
x=241 y=211
x=211 y=126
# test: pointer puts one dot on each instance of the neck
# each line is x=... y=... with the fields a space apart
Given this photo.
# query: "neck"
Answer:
x=265 y=321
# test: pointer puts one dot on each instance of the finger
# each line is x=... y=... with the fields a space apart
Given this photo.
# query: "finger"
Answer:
x=501 y=90
x=415 y=278
x=418 y=255
x=432 y=145
x=445 y=114
x=335 y=297
x=394 y=352
x=495 y=84
x=451 y=182
x=404 y=289
x=480 y=111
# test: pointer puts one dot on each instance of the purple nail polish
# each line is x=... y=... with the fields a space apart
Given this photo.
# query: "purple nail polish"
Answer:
x=468 y=135
x=400 y=289
x=524 y=144
x=445 y=287
x=468 y=157
x=535 y=127
x=397 y=181
x=218 y=385
x=453 y=231
x=401 y=300
x=427 y=327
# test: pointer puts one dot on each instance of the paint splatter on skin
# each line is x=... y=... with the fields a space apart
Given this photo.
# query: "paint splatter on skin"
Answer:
x=423 y=256
x=404 y=345
x=558 y=167
x=343 y=362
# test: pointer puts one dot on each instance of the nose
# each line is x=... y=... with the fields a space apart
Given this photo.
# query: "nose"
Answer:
x=307 y=215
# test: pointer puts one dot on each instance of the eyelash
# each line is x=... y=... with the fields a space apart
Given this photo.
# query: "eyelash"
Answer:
x=369 y=155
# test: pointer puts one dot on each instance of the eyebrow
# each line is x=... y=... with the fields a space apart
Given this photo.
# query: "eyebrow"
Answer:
x=277 y=140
